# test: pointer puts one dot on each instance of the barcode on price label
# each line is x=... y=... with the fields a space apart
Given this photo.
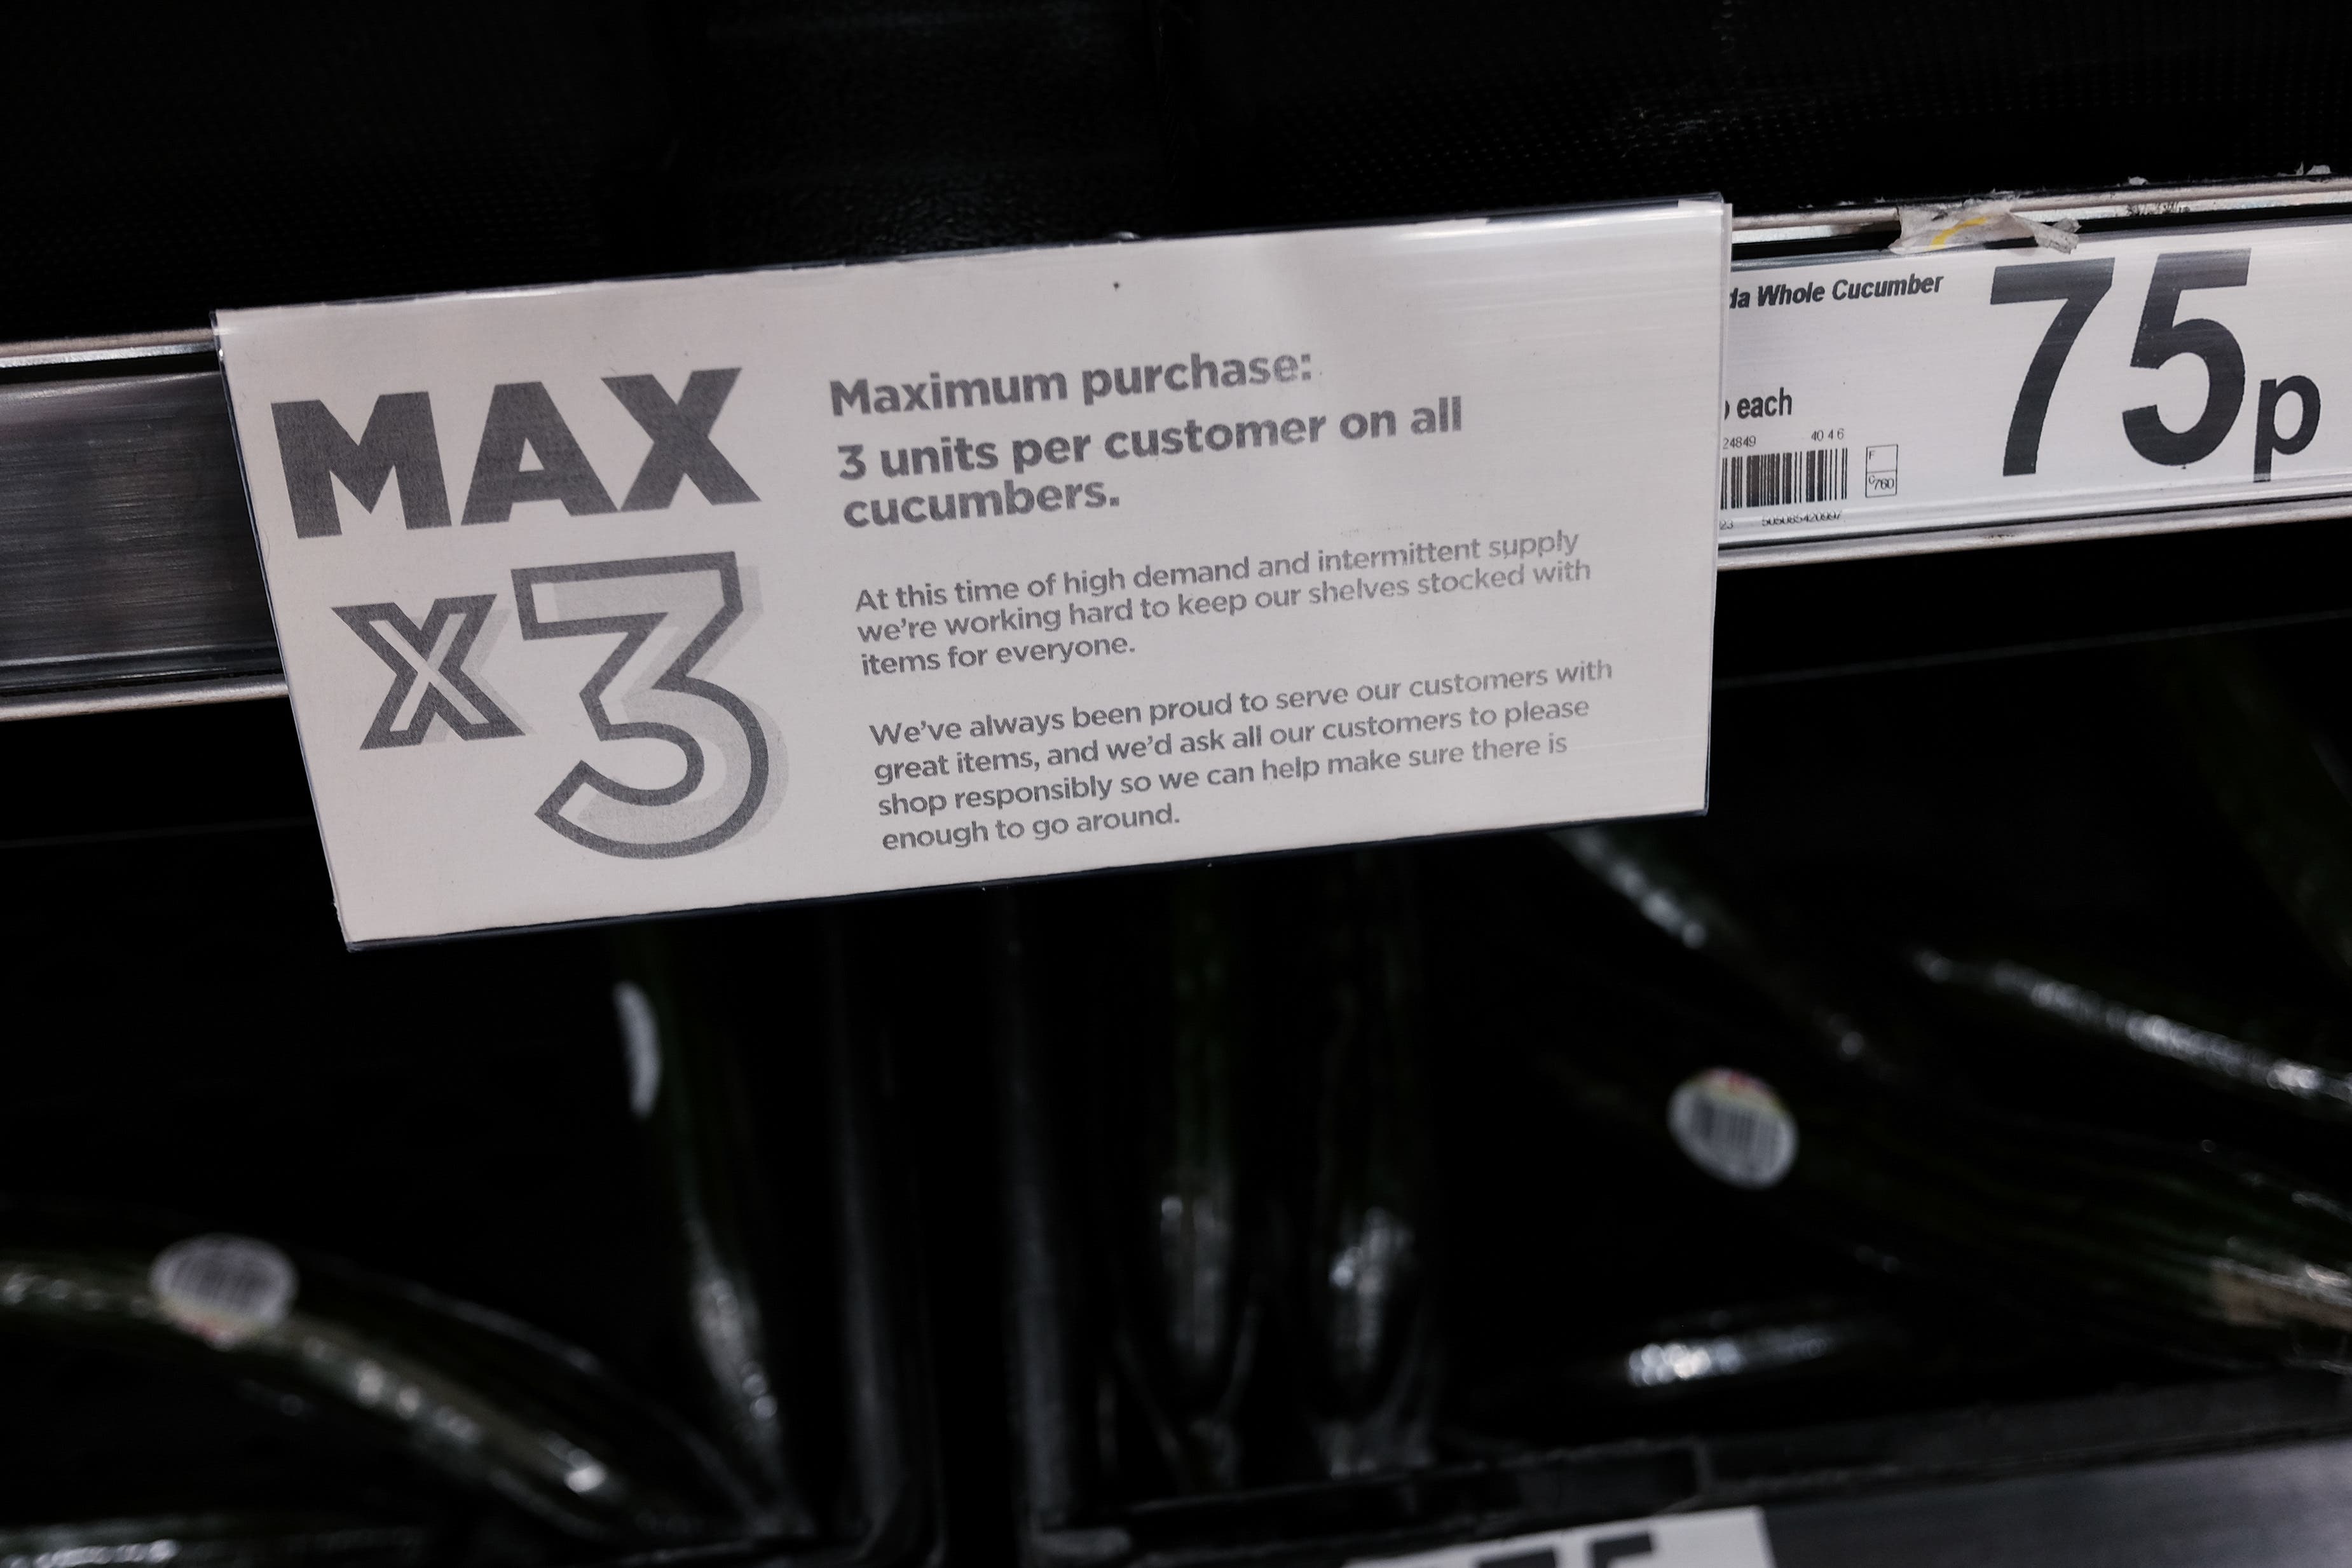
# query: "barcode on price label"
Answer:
x=1725 y=1538
x=1784 y=478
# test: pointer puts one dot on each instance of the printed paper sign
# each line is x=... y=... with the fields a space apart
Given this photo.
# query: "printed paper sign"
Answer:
x=1727 y=1538
x=2147 y=371
x=636 y=597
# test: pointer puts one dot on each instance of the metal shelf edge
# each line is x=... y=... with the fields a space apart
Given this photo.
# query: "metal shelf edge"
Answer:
x=123 y=699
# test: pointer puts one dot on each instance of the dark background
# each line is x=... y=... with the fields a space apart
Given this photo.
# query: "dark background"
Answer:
x=156 y=165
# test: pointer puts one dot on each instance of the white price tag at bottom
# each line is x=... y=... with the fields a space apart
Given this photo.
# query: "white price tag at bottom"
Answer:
x=695 y=593
x=1726 y=1538
x=2153 y=370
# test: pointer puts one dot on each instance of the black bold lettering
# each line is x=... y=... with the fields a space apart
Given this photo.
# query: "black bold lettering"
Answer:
x=681 y=433
x=2163 y=339
x=2079 y=286
x=523 y=413
x=2267 y=437
x=315 y=450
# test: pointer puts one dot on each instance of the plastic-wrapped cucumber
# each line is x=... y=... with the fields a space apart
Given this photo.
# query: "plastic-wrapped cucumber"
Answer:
x=1183 y=1198
x=222 y=1540
x=1739 y=1347
x=685 y=1094
x=490 y=1404
x=2177 y=1248
x=1363 y=1289
x=1839 y=1002
x=1815 y=990
x=2278 y=782
x=1755 y=1360
x=2132 y=1018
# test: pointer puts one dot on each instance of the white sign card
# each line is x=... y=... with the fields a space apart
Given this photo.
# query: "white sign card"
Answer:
x=2157 y=370
x=1723 y=1538
x=637 y=596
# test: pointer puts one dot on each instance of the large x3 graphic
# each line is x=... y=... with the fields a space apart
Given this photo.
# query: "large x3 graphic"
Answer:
x=428 y=668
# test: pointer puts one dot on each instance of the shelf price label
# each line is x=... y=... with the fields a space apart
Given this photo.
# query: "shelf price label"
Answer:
x=2144 y=372
x=1724 y=1538
x=687 y=594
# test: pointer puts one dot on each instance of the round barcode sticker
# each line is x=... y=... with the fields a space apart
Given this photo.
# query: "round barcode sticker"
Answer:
x=223 y=1288
x=1733 y=1127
